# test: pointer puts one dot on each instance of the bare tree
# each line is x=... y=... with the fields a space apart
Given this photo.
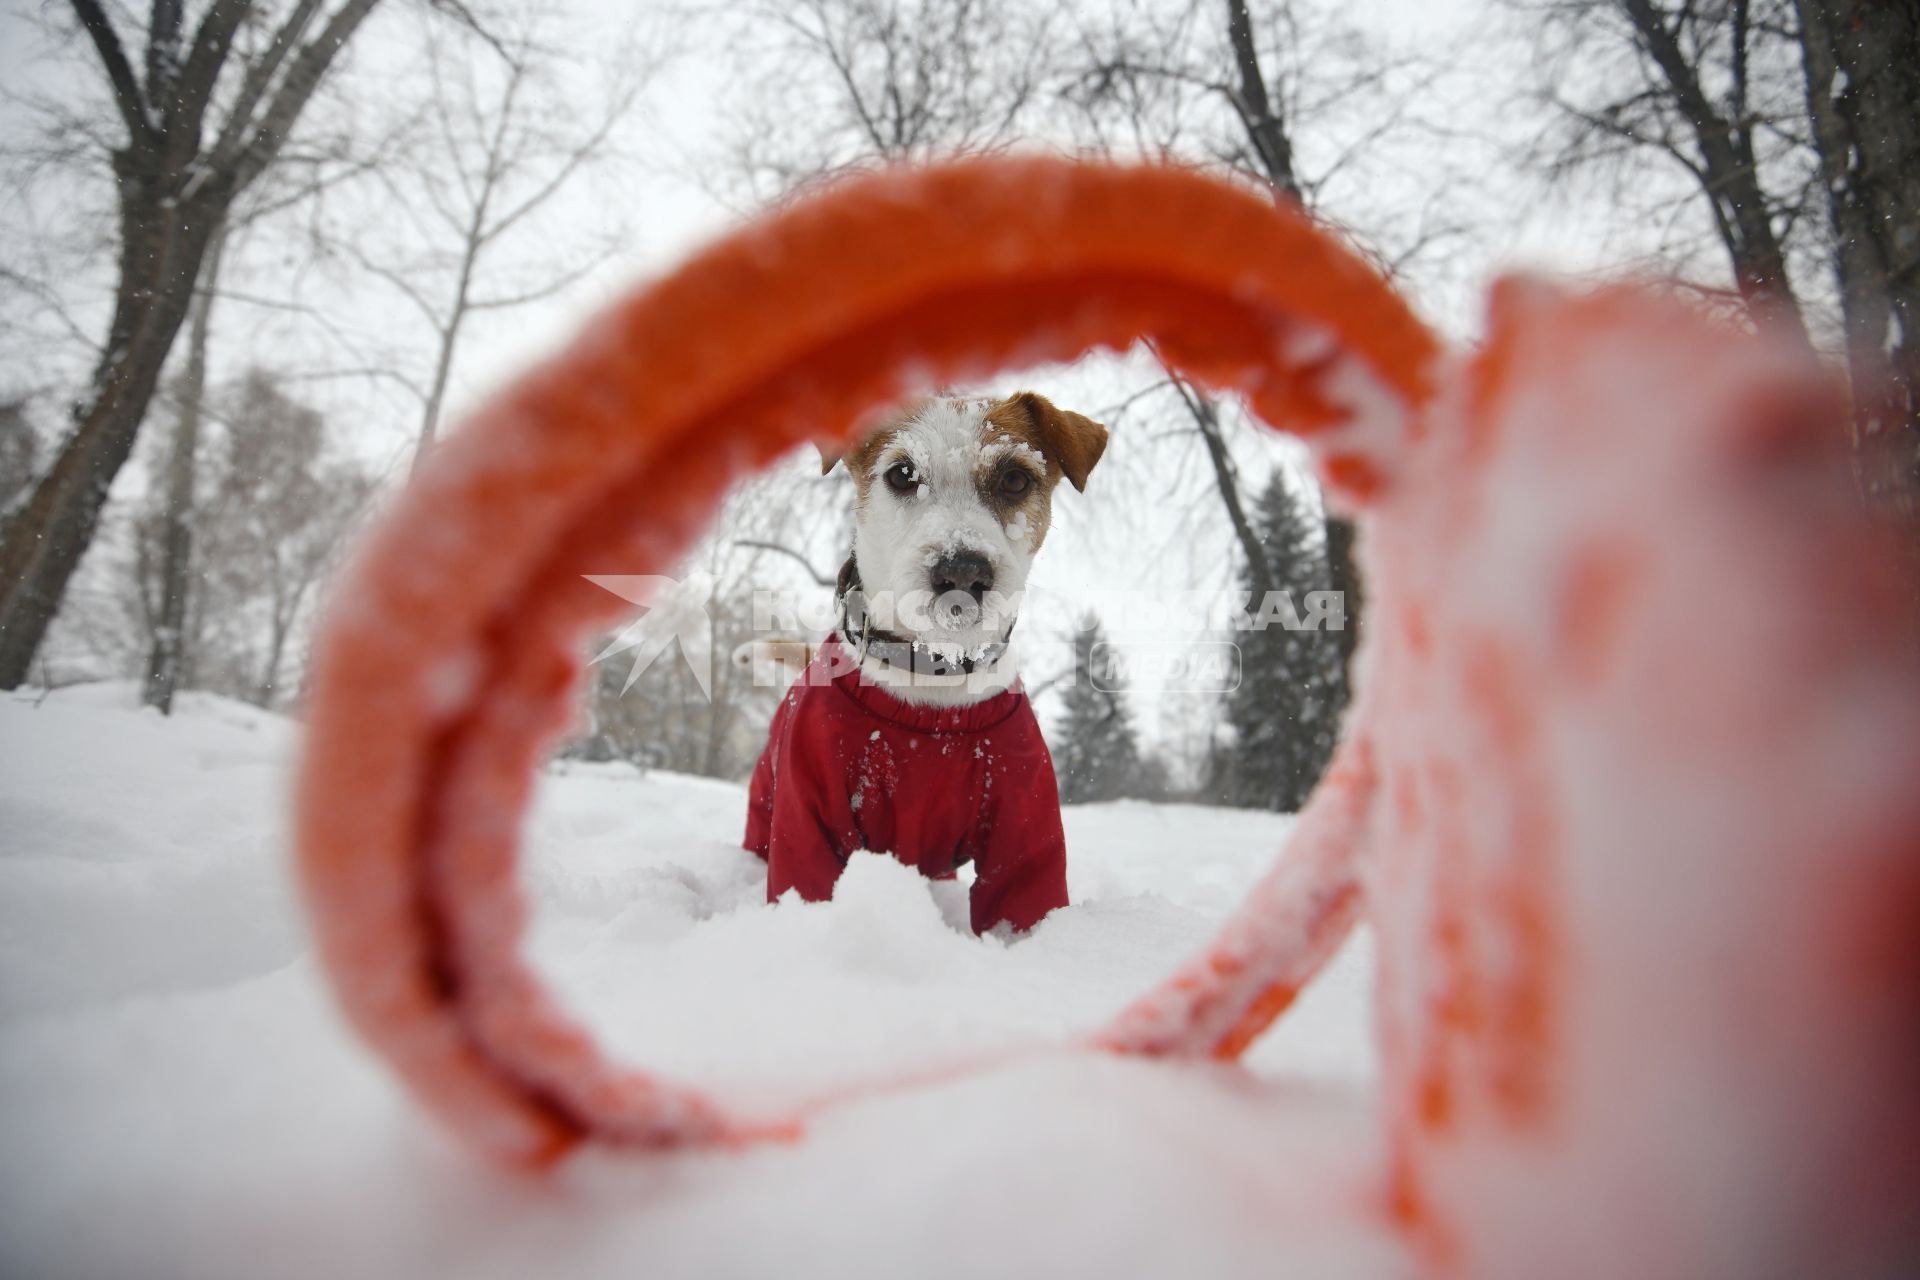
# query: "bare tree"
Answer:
x=297 y=184
x=1706 y=86
x=1207 y=424
x=498 y=145
x=1288 y=95
x=1271 y=147
x=270 y=511
x=882 y=81
x=176 y=515
x=197 y=126
x=1793 y=123
x=1196 y=79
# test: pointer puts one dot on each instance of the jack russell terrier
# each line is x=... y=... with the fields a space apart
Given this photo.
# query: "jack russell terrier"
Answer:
x=909 y=731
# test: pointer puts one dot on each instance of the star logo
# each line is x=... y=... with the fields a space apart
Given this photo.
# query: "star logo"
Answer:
x=675 y=610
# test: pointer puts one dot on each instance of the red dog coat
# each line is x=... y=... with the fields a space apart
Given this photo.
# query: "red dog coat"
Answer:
x=850 y=766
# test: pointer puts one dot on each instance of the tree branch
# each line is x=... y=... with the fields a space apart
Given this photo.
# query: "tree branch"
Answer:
x=163 y=47
x=429 y=309
x=587 y=149
x=466 y=18
x=558 y=284
x=260 y=75
x=1206 y=417
x=185 y=112
x=818 y=577
x=126 y=90
x=302 y=78
x=1251 y=101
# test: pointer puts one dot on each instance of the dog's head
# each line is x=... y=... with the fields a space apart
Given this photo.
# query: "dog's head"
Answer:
x=954 y=500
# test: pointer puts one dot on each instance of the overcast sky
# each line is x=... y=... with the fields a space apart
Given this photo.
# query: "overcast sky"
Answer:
x=684 y=120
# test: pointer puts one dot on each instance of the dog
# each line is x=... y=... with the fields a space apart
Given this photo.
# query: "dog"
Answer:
x=909 y=731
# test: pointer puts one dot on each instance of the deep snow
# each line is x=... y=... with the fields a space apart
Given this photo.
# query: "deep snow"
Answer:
x=177 y=1096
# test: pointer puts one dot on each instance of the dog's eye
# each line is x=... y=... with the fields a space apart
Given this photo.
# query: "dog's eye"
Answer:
x=901 y=479
x=1015 y=481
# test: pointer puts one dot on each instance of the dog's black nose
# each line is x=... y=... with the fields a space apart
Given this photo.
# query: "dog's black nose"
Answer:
x=966 y=571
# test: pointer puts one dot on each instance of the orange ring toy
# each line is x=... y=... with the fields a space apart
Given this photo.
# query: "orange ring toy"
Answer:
x=449 y=663
x=1591 y=746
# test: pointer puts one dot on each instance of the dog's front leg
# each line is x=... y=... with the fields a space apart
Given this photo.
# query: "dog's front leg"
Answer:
x=802 y=854
x=1022 y=868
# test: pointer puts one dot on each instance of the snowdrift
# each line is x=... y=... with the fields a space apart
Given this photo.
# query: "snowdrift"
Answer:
x=177 y=1096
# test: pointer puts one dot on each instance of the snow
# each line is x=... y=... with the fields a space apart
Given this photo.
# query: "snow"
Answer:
x=178 y=1097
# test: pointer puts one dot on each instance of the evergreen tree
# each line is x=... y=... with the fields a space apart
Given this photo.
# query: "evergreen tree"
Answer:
x=1098 y=757
x=1285 y=715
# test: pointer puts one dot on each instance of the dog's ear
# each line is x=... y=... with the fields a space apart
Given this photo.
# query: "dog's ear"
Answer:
x=1072 y=440
x=830 y=455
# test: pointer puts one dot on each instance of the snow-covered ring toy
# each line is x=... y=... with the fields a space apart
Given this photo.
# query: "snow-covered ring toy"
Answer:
x=1628 y=797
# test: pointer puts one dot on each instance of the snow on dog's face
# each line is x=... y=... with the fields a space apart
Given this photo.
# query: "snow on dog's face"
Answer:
x=954 y=501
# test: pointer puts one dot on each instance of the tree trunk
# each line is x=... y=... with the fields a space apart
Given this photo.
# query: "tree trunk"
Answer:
x=1862 y=62
x=442 y=372
x=174 y=192
x=1343 y=576
x=288 y=601
x=1206 y=418
x=1267 y=133
x=163 y=242
x=718 y=722
x=477 y=235
x=276 y=654
x=167 y=655
x=1266 y=130
x=450 y=330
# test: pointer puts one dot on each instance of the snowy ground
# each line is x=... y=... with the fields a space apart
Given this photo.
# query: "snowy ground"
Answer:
x=177 y=1097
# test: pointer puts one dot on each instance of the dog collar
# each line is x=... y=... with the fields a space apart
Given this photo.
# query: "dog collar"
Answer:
x=889 y=649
